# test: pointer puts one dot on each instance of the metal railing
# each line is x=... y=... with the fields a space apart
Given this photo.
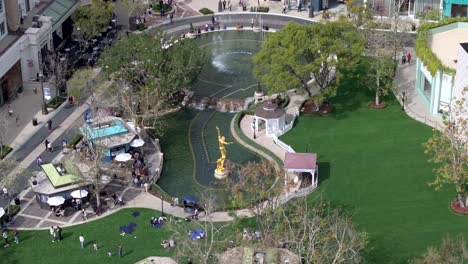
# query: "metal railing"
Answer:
x=283 y=145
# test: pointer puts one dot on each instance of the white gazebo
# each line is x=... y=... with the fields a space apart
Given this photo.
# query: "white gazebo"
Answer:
x=302 y=163
x=271 y=117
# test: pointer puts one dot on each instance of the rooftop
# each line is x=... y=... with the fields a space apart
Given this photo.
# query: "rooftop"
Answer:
x=269 y=110
x=58 y=180
x=445 y=40
x=300 y=161
x=464 y=46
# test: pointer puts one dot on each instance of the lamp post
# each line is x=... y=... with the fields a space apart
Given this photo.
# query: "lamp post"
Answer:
x=5 y=192
x=162 y=205
x=44 y=104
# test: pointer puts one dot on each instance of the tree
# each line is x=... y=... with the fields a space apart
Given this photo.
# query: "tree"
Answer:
x=150 y=74
x=380 y=76
x=451 y=251
x=90 y=20
x=255 y=186
x=200 y=250
x=317 y=233
x=58 y=71
x=301 y=55
x=448 y=149
x=78 y=85
x=134 y=7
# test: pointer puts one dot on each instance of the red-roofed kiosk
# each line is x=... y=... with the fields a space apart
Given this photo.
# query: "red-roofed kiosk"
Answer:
x=302 y=163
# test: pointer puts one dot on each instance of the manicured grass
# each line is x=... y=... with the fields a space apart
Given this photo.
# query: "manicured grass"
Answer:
x=372 y=162
x=36 y=246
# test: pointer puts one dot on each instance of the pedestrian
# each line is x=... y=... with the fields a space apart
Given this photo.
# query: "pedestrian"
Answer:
x=213 y=20
x=49 y=147
x=224 y=5
x=404 y=98
x=120 y=251
x=39 y=161
x=146 y=186
x=59 y=233
x=5 y=237
x=49 y=125
x=46 y=144
x=85 y=217
x=284 y=9
x=35 y=90
x=171 y=17
x=252 y=21
x=82 y=240
x=10 y=111
x=52 y=233
x=408 y=57
x=299 y=8
x=95 y=247
x=17 y=120
x=229 y=5
x=15 y=236
x=162 y=11
x=403 y=59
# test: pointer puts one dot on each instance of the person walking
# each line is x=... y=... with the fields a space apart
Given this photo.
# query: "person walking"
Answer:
x=224 y=5
x=52 y=233
x=46 y=144
x=120 y=251
x=49 y=125
x=403 y=59
x=10 y=111
x=284 y=9
x=82 y=240
x=171 y=17
x=5 y=237
x=49 y=147
x=299 y=8
x=95 y=246
x=85 y=217
x=403 y=101
x=408 y=57
x=15 y=236
x=252 y=22
x=59 y=233
x=229 y=5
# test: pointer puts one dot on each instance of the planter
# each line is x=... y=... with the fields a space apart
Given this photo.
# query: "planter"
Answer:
x=456 y=208
x=310 y=108
x=382 y=105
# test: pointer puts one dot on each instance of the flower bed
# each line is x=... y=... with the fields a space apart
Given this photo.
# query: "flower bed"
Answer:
x=455 y=206
x=166 y=8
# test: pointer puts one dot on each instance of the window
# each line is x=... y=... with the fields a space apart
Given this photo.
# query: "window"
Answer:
x=427 y=88
x=2 y=29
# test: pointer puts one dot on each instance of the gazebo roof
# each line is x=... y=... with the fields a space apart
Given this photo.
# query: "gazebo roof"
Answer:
x=300 y=161
x=269 y=110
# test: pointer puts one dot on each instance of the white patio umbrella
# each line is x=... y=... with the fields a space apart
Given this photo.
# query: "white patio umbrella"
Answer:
x=79 y=194
x=56 y=200
x=122 y=157
x=136 y=143
x=2 y=212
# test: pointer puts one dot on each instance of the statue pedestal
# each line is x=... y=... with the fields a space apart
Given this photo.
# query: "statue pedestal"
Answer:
x=221 y=175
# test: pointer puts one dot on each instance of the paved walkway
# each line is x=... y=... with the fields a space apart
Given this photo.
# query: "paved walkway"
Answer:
x=406 y=82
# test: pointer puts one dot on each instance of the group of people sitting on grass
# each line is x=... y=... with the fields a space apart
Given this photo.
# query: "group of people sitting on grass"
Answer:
x=168 y=243
x=157 y=221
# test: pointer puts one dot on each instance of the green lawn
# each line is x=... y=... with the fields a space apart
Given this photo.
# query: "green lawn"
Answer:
x=372 y=162
x=36 y=246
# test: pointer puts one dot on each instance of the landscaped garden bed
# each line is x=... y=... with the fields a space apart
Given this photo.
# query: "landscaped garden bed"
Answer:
x=455 y=206
x=4 y=151
x=55 y=102
x=309 y=107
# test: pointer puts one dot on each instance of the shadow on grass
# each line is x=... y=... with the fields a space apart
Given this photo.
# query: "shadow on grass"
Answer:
x=66 y=234
x=323 y=171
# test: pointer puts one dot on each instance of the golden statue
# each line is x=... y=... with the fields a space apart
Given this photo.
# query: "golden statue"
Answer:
x=222 y=148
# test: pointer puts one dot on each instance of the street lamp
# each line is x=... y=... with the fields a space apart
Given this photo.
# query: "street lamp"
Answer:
x=44 y=104
x=162 y=205
x=5 y=192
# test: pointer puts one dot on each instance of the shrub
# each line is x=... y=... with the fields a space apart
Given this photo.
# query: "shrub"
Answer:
x=140 y=27
x=263 y=9
x=206 y=11
x=4 y=151
x=14 y=210
x=74 y=141
x=55 y=102
x=166 y=8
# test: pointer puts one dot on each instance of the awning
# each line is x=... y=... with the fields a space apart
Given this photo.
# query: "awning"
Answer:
x=59 y=11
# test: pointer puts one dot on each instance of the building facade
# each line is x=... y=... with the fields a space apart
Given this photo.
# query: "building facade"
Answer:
x=31 y=27
x=450 y=44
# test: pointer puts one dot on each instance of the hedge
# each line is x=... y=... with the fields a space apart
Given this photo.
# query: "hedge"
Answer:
x=166 y=8
x=262 y=9
x=424 y=53
x=4 y=151
x=206 y=11
x=140 y=27
x=55 y=102
x=14 y=210
x=247 y=140
x=74 y=141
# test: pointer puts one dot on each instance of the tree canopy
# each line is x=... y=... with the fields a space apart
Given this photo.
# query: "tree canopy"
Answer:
x=301 y=56
x=150 y=73
x=90 y=20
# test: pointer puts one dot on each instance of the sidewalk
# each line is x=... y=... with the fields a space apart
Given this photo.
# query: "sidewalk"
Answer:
x=405 y=79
